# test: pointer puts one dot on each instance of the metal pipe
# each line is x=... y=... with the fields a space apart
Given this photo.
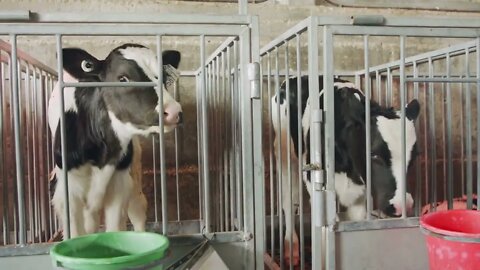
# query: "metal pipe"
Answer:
x=3 y=173
x=238 y=135
x=155 y=179
x=204 y=124
x=29 y=167
x=468 y=133
x=433 y=137
x=63 y=135
x=478 y=115
x=289 y=156
x=199 y=146
x=368 y=142
x=18 y=145
x=271 y=158
x=230 y=142
x=418 y=196
x=279 y=156
x=461 y=6
x=175 y=96
x=403 y=180
x=300 y=155
x=224 y=147
x=449 y=138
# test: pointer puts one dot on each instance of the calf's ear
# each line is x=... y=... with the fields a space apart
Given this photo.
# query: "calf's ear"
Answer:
x=412 y=110
x=80 y=64
x=171 y=57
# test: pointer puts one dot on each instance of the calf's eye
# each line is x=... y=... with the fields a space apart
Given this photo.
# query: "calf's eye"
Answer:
x=87 y=66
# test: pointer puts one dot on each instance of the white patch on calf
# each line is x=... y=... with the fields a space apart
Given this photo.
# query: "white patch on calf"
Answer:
x=54 y=102
x=391 y=132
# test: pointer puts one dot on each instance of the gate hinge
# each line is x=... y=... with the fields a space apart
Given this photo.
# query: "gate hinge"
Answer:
x=253 y=71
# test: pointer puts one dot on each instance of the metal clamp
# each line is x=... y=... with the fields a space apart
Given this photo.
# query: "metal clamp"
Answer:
x=370 y=20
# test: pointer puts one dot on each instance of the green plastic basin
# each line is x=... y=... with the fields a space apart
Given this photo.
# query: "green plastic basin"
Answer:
x=110 y=251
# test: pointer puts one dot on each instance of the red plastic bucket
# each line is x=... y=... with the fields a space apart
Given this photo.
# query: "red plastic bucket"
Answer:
x=453 y=239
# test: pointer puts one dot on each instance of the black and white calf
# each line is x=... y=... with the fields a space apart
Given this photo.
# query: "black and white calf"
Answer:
x=100 y=123
x=350 y=151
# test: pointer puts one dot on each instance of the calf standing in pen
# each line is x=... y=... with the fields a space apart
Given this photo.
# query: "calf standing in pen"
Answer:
x=350 y=151
x=100 y=124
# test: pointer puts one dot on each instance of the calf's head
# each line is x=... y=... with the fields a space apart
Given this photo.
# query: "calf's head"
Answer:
x=386 y=146
x=136 y=106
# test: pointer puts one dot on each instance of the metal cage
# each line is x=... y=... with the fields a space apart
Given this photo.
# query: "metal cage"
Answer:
x=392 y=59
x=221 y=182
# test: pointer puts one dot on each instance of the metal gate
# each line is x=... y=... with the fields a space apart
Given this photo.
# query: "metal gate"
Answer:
x=201 y=182
x=392 y=60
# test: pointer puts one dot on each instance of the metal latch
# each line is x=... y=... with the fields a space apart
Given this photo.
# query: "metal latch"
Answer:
x=253 y=71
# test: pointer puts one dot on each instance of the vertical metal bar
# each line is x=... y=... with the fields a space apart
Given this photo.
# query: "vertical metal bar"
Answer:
x=316 y=143
x=3 y=173
x=155 y=178
x=219 y=146
x=177 y=161
x=444 y=143
x=300 y=153
x=163 y=175
x=238 y=137
x=271 y=158
x=289 y=157
x=242 y=7
x=449 y=144
x=279 y=156
x=63 y=135
x=230 y=142
x=226 y=169
x=433 y=137
x=418 y=186
x=199 y=145
x=18 y=145
x=204 y=124
x=403 y=180
x=477 y=50
x=378 y=85
x=468 y=132
x=388 y=95
x=28 y=156
x=49 y=155
x=368 y=143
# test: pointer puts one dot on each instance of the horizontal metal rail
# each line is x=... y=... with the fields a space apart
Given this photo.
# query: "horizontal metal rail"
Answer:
x=21 y=55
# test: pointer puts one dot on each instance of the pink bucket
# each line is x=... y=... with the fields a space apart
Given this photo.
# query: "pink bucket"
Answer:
x=453 y=239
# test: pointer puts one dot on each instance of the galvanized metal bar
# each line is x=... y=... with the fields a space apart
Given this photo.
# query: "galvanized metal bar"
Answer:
x=444 y=80
x=418 y=186
x=403 y=180
x=143 y=18
x=119 y=29
x=238 y=135
x=405 y=31
x=444 y=149
x=300 y=153
x=161 y=148
x=155 y=178
x=468 y=132
x=3 y=167
x=28 y=156
x=378 y=86
x=368 y=141
x=289 y=152
x=230 y=142
x=388 y=96
x=242 y=7
x=432 y=135
x=15 y=15
x=22 y=234
x=247 y=141
x=224 y=147
x=279 y=157
x=328 y=143
x=449 y=136
x=204 y=125
x=219 y=155
x=257 y=137
x=271 y=157
x=63 y=135
x=198 y=89
x=477 y=50
x=176 y=149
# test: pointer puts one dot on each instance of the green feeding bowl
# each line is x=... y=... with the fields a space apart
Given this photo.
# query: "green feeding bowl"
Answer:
x=111 y=251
